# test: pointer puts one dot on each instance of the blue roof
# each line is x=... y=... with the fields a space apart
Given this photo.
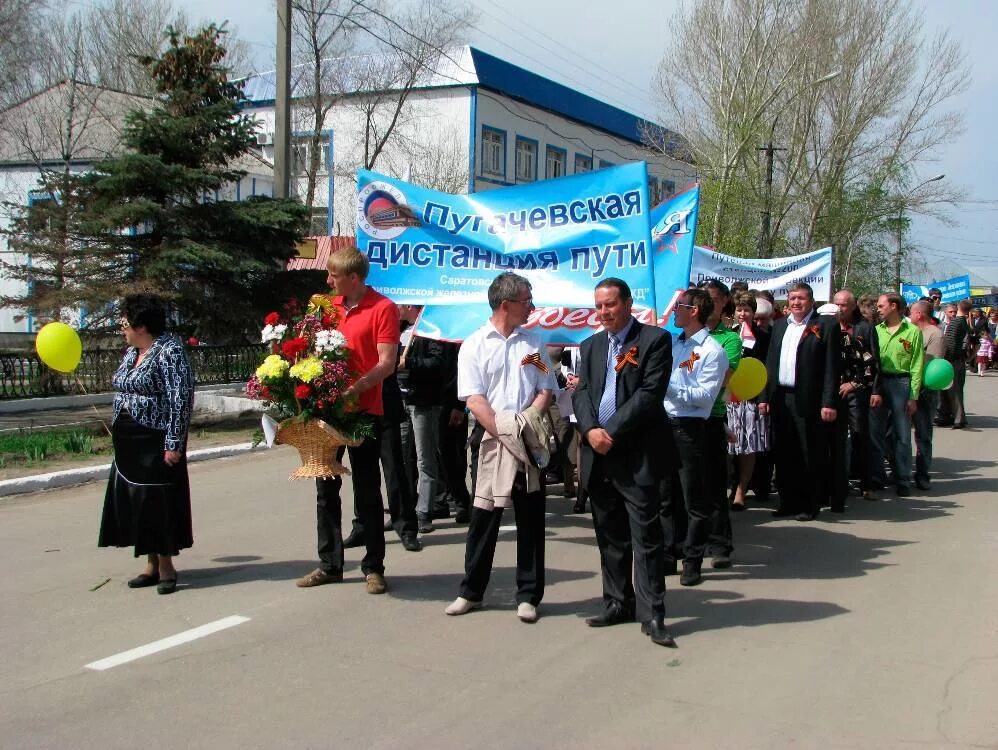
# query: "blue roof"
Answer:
x=492 y=73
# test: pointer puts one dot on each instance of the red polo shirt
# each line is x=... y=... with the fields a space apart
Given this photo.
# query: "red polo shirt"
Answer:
x=375 y=320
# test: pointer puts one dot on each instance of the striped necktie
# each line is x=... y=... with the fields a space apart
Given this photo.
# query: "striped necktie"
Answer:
x=608 y=404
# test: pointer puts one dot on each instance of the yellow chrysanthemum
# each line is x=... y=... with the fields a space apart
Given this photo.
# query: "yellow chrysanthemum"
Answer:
x=307 y=370
x=273 y=367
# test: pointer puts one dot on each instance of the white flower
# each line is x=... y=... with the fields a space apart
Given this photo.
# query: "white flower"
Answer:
x=272 y=333
x=329 y=340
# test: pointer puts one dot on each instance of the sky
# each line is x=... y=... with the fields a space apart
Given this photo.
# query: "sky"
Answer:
x=613 y=57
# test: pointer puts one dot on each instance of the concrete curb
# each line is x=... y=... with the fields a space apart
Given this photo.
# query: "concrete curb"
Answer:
x=85 y=474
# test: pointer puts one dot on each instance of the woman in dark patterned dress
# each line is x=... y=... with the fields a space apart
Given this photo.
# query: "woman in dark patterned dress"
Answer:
x=749 y=428
x=148 y=501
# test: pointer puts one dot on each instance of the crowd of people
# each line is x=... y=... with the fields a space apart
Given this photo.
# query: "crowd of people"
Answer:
x=636 y=424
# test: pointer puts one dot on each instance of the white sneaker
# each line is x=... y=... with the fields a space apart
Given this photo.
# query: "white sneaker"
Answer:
x=461 y=606
x=527 y=612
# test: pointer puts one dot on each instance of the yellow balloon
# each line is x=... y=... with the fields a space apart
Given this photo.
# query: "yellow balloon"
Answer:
x=748 y=380
x=58 y=346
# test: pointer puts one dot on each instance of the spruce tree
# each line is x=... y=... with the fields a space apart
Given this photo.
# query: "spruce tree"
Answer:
x=153 y=208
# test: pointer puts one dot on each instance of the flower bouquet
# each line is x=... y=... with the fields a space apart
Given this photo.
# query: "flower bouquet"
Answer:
x=301 y=383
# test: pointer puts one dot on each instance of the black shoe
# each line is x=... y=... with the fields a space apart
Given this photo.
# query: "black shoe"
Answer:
x=959 y=426
x=942 y=422
x=691 y=573
x=838 y=509
x=783 y=513
x=354 y=539
x=614 y=615
x=902 y=490
x=411 y=543
x=462 y=516
x=425 y=524
x=580 y=505
x=806 y=516
x=656 y=629
x=923 y=483
x=440 y=512
x=720 y=562
x=671 y=567
x=167 y=585
x=142 y=580
x=388 y=526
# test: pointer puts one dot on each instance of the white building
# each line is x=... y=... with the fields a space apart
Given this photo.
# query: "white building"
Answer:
x=476 y=123
x=75 y=125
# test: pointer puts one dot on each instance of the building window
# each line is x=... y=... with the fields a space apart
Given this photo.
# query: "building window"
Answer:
x=526 y=159
x=583 y=163
x=603 y=164
x=555 y=162
x=493 y=152
x=324 y=157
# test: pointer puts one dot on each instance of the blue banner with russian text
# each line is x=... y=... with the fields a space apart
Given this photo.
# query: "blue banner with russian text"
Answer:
x=954 y=290
x=427 y=247
x=673 y=229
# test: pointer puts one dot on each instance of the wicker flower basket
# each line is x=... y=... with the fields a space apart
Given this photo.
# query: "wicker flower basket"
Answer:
x=316 y=443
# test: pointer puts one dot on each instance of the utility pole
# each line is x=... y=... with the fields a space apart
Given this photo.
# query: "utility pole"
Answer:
x=282 y=105
x=765 y=251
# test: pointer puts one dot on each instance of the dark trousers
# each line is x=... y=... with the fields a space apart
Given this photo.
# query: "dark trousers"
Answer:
x=398 y=484
x=837 y=435
x=928 y=401
x=801 y=455
x=954 y=394
x=474 y=443
x=454 y=459
x=366 y=476
x=629 y=535
x=480 y=549
x=857 y=405
x=687 y=509
x=716 y=485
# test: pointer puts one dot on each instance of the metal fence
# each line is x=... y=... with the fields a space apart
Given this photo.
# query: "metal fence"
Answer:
x=22 y=374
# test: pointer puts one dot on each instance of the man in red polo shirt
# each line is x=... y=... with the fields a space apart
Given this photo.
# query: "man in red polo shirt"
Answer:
x=370 y=323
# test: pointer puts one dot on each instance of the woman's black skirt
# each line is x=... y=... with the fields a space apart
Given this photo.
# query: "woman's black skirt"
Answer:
x=148 y=503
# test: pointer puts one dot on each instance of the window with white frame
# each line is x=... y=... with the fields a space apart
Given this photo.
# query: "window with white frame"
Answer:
x=555 y=162
x=526 y=160
x=324 y=157
x=493 y=152
x=583 y=163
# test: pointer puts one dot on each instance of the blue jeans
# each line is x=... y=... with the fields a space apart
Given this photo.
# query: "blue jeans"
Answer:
x=895 y=392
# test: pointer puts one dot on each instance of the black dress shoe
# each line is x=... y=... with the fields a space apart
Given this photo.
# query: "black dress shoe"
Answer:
x=614 y=615
x=142 y=580
x=720 y=562
x=411 y=544
x=923 y=483
x=902 y=490
x=580 y=505
x=354 y=539
x=440 y=512
x=806 y=516
x=782 y=513
x=462 y=516
x=167 y=585
x=691 y=573
x=655 y=628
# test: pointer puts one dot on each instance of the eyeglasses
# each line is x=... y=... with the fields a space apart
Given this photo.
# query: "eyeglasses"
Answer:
x=935 y=296
x=683 y=304
x=529 y=301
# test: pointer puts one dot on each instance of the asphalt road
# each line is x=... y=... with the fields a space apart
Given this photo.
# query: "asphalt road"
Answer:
x=877 y=629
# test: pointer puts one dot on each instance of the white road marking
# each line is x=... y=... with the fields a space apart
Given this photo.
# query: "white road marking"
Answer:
x=164 y=643
x=507 y=528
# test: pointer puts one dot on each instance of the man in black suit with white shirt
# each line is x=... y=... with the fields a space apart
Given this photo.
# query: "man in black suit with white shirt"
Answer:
x=618 y=404
x=801 y=393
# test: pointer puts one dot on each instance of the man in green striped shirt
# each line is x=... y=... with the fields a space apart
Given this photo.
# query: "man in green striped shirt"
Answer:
x=901 y=360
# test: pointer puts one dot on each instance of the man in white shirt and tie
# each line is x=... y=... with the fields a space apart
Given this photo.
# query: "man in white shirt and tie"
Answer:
x=699 y=365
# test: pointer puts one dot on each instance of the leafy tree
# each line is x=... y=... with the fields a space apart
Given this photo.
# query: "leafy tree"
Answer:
x=154 y=208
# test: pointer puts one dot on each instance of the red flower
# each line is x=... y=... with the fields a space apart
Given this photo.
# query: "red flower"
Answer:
x=294 y=348
x=303 y=391
x=328 y=321
x=265 y=394
x=272 y=319
x=193 y=341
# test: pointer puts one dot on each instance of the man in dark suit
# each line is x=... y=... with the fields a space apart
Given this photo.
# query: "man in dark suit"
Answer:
x=801 y=393
x=619 y=407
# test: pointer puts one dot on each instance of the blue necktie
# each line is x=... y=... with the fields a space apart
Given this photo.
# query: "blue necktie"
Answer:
x=608 y=404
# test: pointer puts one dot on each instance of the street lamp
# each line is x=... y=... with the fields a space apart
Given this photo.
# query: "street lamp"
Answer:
x=769 y=148
x=900 y=238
